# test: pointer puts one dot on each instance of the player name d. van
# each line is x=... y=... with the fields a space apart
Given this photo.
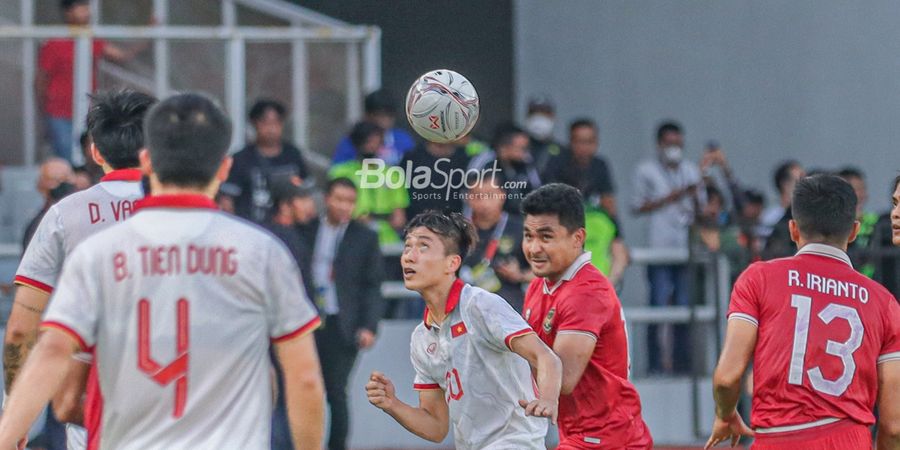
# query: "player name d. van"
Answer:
x=828 y=286
x=118 y=211
x=166 y=260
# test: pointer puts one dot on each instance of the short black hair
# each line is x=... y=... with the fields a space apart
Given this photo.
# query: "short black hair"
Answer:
x=851 y=172
x=361 y=132
x=712 y=191
x=65 y=5
x=753 y=196
x=558 y=199
x=116 y=124
x=783 y=173
x=380 y=101
x=339 y=182
x=896 y=182
x=505 y=133
x=187 y=136
x=582 y=122
x=456 y=232
x=669 y=126
x=824 y=207
x=263 y=105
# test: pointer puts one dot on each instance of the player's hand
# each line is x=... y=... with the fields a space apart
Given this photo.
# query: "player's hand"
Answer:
x=380 y=391
x=365 y=339
x=732 y=428
x=541 y=408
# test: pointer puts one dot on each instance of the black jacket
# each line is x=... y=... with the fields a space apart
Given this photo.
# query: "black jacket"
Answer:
x=358 y=273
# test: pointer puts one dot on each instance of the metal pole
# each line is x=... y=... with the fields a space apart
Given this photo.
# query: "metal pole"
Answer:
x=235 y=90
x=82 y=85
x=229 y=13
x=29 y=110
x=300 y=89
x=96 y=12
x=354 y=89
x=372 y=60
x=161 y=51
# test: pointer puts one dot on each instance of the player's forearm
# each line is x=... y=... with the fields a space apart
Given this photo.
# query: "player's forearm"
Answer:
x=306 y=411
x=45 y=372
x=21 y=330
x=726 y=396
x=16 y=348
x=418 y=421
x=549 y=376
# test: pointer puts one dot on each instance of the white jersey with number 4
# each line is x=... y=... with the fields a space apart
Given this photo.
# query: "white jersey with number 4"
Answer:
x=72 y=220
x=468 y=357
x=181 y=303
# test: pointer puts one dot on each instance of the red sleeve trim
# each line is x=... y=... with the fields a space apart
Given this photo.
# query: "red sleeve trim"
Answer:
x=25 y=281
x=65 y=329
x=426 y=387
x=302 y=331
x=512 y=336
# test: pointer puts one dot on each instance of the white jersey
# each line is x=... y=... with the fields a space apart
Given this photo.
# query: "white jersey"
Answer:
x=72 y=220
x=468 y=357
x=180 y=304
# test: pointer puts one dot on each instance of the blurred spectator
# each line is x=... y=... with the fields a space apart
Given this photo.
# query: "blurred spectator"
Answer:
x=582 y=167
x=473 y=146
x=54 y=182
x=434 y=191
x=53 y=79
x=786 y=176
x=260 y=162
x=669 y=190
x=89 y=173
x=539 y=122
x=604 y=239
x=867 y=220
x=885 y=237
x=717 y=172
x=347 y=272
x=517 y=173
x=712 y=219
x=497 y=263
x=381 y=110
x=383 y=205
x=740 y=241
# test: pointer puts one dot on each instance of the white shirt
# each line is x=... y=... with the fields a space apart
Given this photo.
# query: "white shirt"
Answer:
x=181 y=303
x=468 y=357
x=669 y=224
x=328 y=238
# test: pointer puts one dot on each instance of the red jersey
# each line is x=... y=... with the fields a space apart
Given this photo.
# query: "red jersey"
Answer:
x=604 y=408
x=823 y=329
x=57 y=60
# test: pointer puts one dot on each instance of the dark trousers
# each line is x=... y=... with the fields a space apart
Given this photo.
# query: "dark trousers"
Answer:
x=337 y=358
x=669 y=285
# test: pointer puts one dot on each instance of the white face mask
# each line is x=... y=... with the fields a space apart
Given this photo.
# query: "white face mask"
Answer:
x=673 y=154
x=540 y=126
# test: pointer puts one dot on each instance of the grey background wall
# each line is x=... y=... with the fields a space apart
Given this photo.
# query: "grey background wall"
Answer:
x=815 y=80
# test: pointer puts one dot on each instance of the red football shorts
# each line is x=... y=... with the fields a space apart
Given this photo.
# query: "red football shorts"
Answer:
x=844 y=435
x=636 y=437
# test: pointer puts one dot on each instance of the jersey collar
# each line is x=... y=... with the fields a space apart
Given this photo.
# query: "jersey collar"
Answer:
x=123 y=175
x=573 y=269
x=452 y=300
x=826 y=251
x=183 y=201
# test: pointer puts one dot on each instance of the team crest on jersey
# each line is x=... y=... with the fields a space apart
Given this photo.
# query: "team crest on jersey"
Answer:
x=431 y=348
x=548 y=321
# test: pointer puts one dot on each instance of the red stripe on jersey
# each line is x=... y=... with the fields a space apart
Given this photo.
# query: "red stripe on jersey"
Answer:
x=93 y=407
x=25 y=281
x=65 y=329
x=123 y=175
x=302 y=331
x=426 y=387
x=512 y=336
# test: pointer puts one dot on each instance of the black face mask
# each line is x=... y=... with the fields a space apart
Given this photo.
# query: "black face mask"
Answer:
x=60 y=191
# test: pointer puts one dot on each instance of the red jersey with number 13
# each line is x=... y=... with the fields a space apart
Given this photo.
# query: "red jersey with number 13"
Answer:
x=823 y=329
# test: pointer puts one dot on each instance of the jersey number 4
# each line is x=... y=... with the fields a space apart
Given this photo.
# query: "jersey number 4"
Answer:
x=177 y=370
x=843 y=350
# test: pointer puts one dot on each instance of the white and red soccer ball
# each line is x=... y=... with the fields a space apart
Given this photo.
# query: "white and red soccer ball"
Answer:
x=442 y=106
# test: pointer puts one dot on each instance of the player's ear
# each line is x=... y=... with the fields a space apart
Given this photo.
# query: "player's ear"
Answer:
x=580 y=236
x=144 y=158
x=224 y=169
x=795 y=232
x=854 y=232
x=96 y=156
x=453 y=263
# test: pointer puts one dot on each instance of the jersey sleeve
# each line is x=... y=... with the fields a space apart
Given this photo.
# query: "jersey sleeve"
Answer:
x=75 y=305
x=745 y=296
x=890 y=349
x=423 y=381
x=290 y=313
x=495 y=320
x=43 y=259
x=585 y=311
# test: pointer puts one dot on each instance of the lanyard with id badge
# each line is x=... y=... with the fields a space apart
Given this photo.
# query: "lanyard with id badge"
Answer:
x=481 y=274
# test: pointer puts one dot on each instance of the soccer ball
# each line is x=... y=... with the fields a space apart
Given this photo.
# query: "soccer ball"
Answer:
x=442 y=106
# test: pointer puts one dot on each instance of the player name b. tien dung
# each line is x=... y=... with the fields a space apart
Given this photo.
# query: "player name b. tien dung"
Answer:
x=173 y=260
x=829 y=286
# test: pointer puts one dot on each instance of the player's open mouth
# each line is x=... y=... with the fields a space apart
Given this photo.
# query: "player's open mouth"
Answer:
x=407 y=272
